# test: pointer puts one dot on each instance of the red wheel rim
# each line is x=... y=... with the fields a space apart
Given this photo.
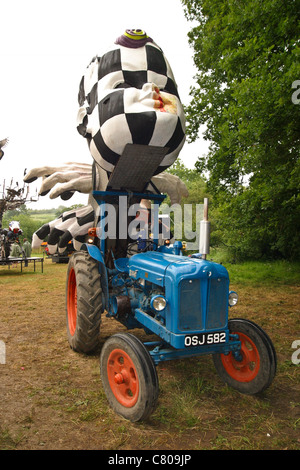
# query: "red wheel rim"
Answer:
x=72 y=302
x=122 y=377
x=246 y=369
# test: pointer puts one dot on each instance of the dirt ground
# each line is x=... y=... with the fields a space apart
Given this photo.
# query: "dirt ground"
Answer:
x=52 y=398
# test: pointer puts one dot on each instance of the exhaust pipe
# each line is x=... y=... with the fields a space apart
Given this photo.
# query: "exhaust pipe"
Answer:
x=204 y=232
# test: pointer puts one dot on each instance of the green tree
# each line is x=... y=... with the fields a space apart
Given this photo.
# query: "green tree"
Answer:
x=61 y=209
x=195 y=183
x=247 y=56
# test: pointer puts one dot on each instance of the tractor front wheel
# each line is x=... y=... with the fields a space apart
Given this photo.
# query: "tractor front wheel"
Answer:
x=129 y=377
x=83 y=302
x=251 y=369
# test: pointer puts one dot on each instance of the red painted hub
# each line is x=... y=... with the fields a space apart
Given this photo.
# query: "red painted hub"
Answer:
x=123 y=379
x=246 y=369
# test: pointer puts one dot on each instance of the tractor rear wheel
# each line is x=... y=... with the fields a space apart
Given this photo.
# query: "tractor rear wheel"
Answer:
x=83 y=302
x=129 y=377
x=252 y=369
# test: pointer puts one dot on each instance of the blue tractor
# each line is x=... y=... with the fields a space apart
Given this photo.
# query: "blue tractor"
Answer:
x=182 y=300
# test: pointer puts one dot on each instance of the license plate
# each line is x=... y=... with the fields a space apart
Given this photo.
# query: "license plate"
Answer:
x=205 y=339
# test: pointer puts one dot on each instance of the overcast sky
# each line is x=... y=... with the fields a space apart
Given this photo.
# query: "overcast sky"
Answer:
x=45 y=48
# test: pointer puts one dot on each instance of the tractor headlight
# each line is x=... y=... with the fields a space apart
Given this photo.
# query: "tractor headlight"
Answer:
x=158 y=303
x=232 y=299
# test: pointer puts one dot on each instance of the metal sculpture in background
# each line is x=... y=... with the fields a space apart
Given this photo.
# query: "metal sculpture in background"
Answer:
x=12 y=196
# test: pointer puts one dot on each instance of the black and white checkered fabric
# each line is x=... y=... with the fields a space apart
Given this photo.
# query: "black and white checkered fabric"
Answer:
x=71 y=225
x=117 y=106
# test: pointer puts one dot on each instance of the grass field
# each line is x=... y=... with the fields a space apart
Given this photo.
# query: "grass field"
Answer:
x=43 y=217
x=52 y=398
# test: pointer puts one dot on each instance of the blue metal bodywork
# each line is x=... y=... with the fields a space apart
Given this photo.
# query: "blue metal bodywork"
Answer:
x=194 y=320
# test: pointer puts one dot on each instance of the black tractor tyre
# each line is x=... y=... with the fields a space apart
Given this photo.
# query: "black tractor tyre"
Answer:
x=254 y=371
x=129 y=377
x=84 y=302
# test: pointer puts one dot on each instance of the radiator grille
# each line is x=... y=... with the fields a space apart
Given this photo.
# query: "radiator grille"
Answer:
x=217 y=303
x=190 y=305
x=190 y=312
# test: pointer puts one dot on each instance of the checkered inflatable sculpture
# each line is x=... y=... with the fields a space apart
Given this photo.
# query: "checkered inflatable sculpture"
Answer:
x=128 y=95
